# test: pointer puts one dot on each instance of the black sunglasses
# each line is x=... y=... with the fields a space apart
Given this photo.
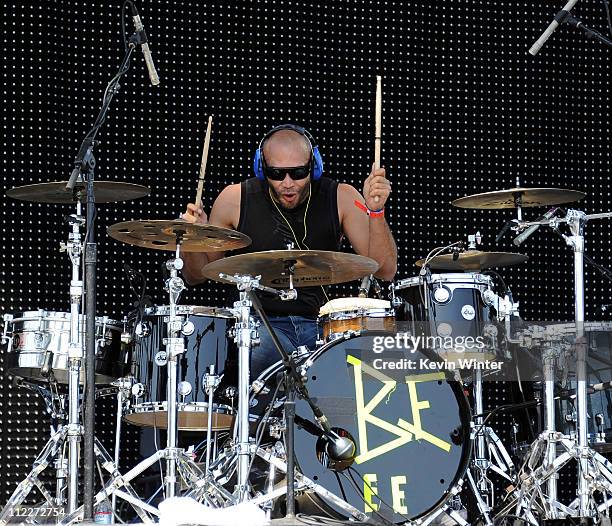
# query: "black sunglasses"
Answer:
x=278 y=174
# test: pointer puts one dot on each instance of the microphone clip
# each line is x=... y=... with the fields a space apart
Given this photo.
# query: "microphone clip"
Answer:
x=138 y=38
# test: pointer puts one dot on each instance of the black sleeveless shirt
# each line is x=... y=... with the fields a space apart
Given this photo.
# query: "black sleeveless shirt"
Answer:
x=261 y=221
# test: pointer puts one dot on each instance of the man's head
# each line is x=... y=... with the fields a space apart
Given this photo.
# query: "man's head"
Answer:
x=288 y=149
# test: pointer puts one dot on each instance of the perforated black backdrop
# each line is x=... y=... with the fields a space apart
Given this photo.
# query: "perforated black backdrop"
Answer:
x=465 y=110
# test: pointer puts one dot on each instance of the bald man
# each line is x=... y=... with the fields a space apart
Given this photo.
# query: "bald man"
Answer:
x=289 y=201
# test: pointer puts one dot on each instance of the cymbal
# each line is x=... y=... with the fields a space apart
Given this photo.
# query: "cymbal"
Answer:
x=162 y=235
x=529 y=197
x=55 y=192
x=474 y=260
x=311 y=267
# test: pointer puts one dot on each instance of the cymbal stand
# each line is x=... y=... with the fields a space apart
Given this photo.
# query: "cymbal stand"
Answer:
x=177 y=460
x=72 y=431
x=489 y=455
x=594 y=471
x=245 y=333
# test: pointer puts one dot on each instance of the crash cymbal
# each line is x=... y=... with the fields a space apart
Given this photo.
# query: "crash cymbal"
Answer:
x=162 y=235
x=525 y=197
x=55 y=192
x=311 y=267
x=474 y=260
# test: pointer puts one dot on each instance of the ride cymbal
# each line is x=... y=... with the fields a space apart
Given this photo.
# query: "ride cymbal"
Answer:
x=473 y=260
x=310 y=267
x=55 y=192
x=163 y=235
x=525 y=197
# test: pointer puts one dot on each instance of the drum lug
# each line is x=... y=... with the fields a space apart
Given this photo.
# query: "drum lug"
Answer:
x=255 y=337
x=161 y=358
x=488 y=297
x=442 y=294
x=188 y=328
x=8 y=318
x=142 y=329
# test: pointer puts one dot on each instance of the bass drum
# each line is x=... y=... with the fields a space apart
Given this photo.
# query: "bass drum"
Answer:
x=411 y=426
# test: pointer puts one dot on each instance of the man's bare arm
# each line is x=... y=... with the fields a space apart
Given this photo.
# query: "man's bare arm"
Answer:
x=369 y=235
x=225 y=213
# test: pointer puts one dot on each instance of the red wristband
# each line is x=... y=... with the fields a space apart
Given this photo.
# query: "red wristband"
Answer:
x=371 y=213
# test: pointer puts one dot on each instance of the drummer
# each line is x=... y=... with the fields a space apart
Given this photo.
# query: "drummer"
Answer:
x=289 y=202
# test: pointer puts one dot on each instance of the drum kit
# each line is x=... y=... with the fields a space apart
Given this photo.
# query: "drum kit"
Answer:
x=333 y=434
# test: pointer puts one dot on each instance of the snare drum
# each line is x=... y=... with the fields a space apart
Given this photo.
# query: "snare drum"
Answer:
x=450 y=308
x=207 y=342
x=344 y=315
x=38 y=339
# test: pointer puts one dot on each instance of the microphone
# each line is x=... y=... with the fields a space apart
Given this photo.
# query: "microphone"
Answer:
x=334 y=442
x=364 y=288
x=144 y=45
x=520 y=239
x=558 y=20
x=339 y=448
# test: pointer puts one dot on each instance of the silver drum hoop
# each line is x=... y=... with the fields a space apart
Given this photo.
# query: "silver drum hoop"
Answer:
x=466 y=280
x=191 y=310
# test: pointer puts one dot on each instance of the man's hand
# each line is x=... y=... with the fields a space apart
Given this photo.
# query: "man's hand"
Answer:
x=195 y=214
x=376 y=185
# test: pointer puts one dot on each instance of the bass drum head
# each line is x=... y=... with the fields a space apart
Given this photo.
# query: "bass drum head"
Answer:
x=411 y=428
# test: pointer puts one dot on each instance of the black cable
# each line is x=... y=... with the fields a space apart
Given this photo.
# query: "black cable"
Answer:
x=603 y=271
x=340 y=486
x=501 y=408
x=499 y=277
x=123 y=31
x=360 y=493
x=608 y=15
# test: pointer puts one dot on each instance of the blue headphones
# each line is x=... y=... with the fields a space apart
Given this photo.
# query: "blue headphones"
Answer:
x=316 y=161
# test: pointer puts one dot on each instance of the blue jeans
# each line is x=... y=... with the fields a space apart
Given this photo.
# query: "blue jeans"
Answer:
x=292 y=332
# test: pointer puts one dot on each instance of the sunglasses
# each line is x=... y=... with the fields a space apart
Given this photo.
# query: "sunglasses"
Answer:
x=278 y=174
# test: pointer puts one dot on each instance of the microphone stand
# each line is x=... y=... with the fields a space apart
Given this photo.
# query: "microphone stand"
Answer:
x=84 y=171
x=589 y=33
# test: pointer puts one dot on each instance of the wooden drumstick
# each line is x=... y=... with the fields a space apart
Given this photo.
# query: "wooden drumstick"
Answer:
x=377 y=125
x=198 y=198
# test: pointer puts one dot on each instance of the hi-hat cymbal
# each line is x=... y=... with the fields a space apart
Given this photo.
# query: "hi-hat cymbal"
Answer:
x=525 y=197
x=55 y=192
x=163 y=235
x=311 y=267
x=474 y=260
